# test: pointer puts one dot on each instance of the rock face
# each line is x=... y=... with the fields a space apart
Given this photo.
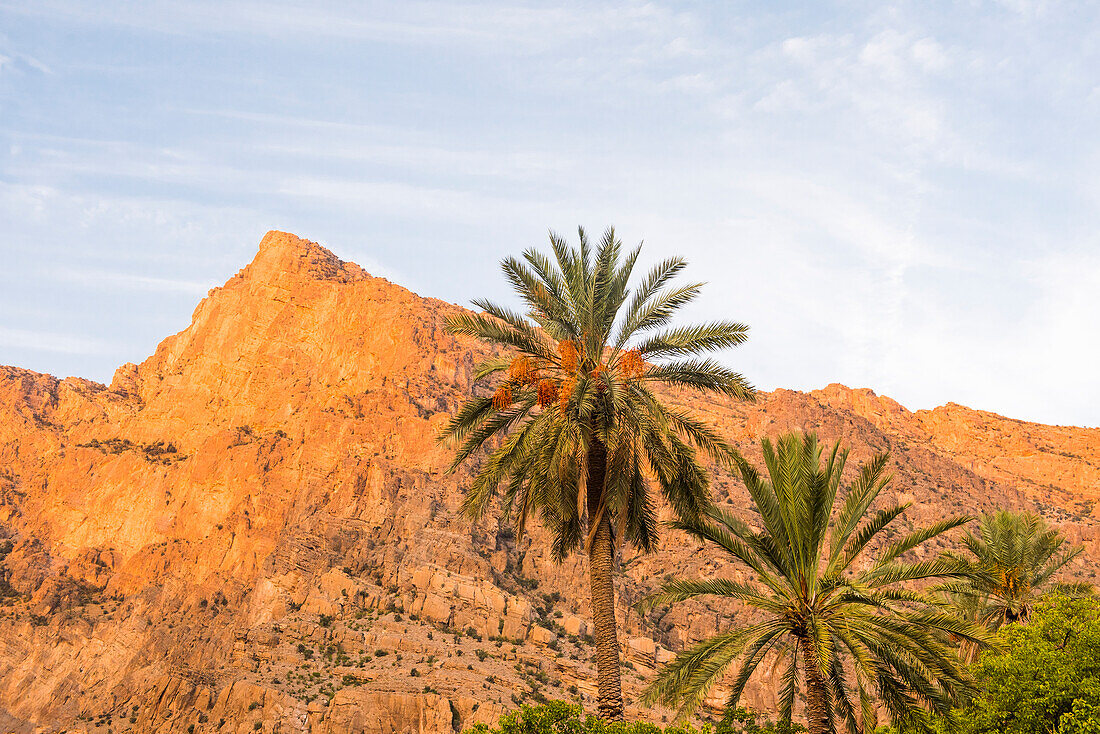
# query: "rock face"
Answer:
x=253 y=529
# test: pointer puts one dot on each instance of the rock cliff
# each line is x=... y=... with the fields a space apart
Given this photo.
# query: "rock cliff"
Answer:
x=252 y=530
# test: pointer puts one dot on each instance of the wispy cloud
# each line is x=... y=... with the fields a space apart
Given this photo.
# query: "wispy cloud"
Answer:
x=884 y=80
x=525 y=28
x=286 y=120
x=12 y=61
x=44 y=341
x=103 y=279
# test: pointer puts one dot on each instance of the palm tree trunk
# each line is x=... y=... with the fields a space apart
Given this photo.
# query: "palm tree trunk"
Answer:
x=818 y=720
x=602 y=589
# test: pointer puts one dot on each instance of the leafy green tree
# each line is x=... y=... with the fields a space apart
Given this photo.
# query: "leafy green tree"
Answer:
x=844 y=628
x=1014 y=558
x=575 y=427
x=1042 y=677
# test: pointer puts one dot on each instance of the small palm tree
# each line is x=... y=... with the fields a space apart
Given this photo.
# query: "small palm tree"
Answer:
x=580 y=427
x=1013 y=559
x=846 y=629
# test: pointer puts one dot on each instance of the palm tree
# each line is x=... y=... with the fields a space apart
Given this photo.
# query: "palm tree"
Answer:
x=850 y=629
x=580 y=427
x=1013 y=560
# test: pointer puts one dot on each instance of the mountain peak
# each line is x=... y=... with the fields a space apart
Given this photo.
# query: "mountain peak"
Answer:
x=296 y=323
x=282 y=254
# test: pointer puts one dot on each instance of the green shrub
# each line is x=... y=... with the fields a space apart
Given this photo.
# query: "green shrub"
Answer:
x=559 y=717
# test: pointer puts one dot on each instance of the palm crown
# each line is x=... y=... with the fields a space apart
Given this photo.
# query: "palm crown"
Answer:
x=578 y=425
x=854 y=628
x=580 y=375
x=1014 y=558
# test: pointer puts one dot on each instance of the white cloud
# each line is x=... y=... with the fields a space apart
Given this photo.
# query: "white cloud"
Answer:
x=13 y=61
x=104 y=279
x=690 y=83
x=1027 y=8
x=396 y=198
x=882 y=80
x=521 y=28
x=861 y=187
x=272 y=151
x=930 y=55
x=44 y=341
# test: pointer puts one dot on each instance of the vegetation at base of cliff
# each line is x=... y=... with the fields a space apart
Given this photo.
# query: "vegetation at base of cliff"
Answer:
x=559 y=717
x=158 y=452
x=1043 y=677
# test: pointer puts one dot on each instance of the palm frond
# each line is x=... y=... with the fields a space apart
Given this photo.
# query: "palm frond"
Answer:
x=688 y=340
x=704 y=375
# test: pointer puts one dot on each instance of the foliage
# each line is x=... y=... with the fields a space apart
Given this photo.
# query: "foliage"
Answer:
x=156 y=453
x=579 y=374
x=1014 y=558
x=738 y=720
x=1044 y=676
x=559 y=717
x=849 y=630
x=6 y=547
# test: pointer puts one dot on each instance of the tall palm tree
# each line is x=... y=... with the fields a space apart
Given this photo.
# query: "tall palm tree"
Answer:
x=848 y=629
x=1013 y=558
x=580 y=427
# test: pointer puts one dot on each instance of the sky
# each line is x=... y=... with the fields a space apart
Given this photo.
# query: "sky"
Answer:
x=896 y=195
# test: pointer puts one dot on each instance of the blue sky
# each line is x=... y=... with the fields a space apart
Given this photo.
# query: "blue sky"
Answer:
x=903 y=196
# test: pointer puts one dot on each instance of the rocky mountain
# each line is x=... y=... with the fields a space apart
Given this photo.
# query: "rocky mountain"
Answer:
x=253 y=530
